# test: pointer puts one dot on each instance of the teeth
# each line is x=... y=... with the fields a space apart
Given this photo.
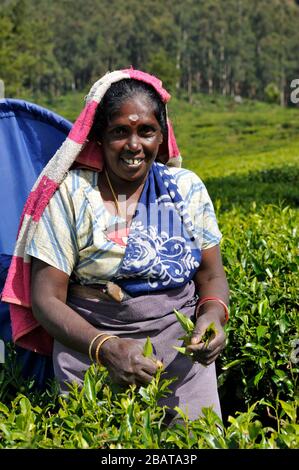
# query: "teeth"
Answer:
x=132 y=161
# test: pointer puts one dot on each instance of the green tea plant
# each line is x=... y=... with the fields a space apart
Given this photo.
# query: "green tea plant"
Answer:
x=261 y=259
x=188 y=326
x=148 y=352
x=102 y=415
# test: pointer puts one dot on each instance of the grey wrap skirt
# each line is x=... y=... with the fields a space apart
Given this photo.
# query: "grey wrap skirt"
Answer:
x=138 y=317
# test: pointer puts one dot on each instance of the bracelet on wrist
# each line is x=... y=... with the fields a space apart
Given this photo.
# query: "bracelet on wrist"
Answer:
x=213 y=299
x=92 y=343
x=99 y=345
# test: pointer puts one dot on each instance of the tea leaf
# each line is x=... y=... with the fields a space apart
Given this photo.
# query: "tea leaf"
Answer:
x=148 y=352
x=4 y=409
x=210 y=332
x=89 y=387
x=258 y=377
x=184 y=321
x=180 y=349
x=261 y=331
x=148 y=348
x=289 y=409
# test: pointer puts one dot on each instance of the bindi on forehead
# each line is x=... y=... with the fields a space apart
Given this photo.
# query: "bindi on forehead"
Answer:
x=133 y=118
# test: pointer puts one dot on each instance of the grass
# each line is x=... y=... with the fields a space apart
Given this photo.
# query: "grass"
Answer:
x=221 y=139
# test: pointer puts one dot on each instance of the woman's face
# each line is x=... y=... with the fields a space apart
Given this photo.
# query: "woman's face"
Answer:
x=131 y=140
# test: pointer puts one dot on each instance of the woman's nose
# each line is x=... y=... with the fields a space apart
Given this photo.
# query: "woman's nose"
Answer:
x=133 y=143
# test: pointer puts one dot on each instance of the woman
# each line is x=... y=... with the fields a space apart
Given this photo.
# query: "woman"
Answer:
x=118 y=240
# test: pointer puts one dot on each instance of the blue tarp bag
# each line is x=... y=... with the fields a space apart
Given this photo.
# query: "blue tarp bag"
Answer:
x=29 y=137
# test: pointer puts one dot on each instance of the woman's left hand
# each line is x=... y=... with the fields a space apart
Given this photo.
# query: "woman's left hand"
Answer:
x=206 y=354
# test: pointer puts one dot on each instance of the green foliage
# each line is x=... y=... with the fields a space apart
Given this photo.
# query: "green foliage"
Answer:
x=12 y=383
x=209 y=333
x=272 y=93
x=236 y=47
x=188 y=326
x=248 y=158
x=261 y=259
x=218 y=137
x=148 y=348
x=102 y=415
x=27 y=57
x=148 y=352
x=161 y=65
x=185 y=322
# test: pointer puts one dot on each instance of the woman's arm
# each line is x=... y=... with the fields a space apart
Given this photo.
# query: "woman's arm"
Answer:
x=210 y=281
x=48 y=295
x=123 y=357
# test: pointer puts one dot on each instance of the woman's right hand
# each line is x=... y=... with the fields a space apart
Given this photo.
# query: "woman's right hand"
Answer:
x=126 y=363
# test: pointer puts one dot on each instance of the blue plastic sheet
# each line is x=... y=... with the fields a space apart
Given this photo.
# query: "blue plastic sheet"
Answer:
x=29 y=137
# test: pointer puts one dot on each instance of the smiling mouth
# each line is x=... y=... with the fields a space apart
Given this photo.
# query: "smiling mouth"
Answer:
x=132 y=162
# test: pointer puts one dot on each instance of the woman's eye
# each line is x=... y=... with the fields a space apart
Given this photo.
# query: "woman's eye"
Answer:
x=147 y=130
x=118 y=131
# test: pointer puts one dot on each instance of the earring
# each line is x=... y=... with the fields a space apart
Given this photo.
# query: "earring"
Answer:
x=99 y=143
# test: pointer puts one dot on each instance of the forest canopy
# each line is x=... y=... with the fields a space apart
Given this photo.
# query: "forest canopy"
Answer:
x=232 y=47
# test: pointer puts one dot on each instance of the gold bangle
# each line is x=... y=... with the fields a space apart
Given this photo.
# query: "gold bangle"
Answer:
x=99 y=346
x=91 y=345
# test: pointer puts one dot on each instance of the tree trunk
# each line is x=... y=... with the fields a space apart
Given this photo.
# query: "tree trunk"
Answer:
x=198 y=81
x=210 y=71
x=222 y=73
x=189 y=81
x=282 y=89
x=178 y=65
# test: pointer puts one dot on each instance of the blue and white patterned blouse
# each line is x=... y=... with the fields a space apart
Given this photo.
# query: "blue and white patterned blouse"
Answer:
x=76 y=231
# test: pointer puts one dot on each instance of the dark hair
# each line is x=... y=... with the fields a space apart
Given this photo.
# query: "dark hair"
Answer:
x=117 y=94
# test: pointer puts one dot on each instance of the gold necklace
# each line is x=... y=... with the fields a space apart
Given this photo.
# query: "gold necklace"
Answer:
x=112 y=191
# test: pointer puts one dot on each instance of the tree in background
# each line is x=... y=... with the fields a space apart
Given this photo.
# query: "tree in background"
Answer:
x=236 y=47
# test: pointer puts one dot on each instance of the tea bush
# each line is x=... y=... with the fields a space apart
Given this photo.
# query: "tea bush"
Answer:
x=261 y=259
x=102 y=415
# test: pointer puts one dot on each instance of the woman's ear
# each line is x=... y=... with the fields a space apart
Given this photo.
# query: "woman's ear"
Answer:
x=163 y=150
x=160 y=137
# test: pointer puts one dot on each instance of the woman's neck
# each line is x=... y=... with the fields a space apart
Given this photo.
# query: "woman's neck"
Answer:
x=125 y=188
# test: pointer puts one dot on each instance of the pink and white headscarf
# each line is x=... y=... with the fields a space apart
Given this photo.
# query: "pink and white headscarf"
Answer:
x=76 y=149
